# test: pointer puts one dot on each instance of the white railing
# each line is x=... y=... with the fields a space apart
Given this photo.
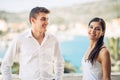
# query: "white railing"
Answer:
x=114 y=76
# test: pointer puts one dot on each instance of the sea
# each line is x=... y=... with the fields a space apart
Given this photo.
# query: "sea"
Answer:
x=73 y=51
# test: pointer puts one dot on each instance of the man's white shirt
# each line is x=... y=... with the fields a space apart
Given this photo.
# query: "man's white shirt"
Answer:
x=36 y=61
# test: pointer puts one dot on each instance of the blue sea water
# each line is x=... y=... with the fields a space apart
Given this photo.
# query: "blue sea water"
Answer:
x=2 y=53
x=72 y=50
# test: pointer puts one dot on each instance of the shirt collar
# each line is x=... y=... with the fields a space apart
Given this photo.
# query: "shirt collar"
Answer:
x=29 y=34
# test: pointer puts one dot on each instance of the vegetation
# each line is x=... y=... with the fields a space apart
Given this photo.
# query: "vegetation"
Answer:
x=114 y=47
x=69 y=68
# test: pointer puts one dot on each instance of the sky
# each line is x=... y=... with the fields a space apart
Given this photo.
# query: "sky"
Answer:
x=26 y=5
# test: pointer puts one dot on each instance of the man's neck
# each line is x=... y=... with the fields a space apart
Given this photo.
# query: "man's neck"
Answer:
x=38 y=35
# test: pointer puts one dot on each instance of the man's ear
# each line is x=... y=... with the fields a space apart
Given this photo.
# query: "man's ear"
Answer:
x=32 y=20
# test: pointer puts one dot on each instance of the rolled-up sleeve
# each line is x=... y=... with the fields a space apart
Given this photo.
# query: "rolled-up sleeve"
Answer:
x=58 y=63
x=7 y=61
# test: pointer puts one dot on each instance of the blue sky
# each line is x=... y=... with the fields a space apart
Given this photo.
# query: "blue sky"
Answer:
x=23 y=5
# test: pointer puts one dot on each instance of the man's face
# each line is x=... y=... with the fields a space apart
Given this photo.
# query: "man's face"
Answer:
x=40 y=23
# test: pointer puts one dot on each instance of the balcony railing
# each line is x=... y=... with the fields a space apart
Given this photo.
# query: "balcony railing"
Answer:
x=114 y=76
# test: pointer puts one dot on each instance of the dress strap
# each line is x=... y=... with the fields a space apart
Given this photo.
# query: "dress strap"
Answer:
x=102 y=47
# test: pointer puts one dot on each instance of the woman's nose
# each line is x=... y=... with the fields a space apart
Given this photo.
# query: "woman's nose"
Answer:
x=93 y=30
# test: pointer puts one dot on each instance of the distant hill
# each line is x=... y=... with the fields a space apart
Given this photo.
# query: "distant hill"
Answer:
x=107 y=9
x=13 y=17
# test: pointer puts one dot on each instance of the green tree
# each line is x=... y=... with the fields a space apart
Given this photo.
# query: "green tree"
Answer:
x=114 y=47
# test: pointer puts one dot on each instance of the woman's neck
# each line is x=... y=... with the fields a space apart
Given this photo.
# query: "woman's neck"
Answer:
x=92 y=44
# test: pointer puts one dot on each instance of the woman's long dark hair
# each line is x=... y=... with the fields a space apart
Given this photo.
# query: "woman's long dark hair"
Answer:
x=95 y=52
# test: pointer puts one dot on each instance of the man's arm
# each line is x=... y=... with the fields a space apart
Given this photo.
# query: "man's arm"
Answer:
x=7 y=61
x=59 y=63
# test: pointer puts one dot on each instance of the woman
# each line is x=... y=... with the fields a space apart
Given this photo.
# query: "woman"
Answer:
x=96 y=62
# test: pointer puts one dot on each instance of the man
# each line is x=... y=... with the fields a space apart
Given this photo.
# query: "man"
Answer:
x=38 y=51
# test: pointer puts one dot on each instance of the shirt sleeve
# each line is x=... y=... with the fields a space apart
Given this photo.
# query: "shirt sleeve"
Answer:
x=59 y=63
x=7 y=61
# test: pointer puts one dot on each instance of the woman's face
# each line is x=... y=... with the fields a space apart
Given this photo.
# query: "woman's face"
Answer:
x=95 y=31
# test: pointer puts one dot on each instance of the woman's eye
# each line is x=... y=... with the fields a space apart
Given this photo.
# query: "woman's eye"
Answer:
x=98 y=29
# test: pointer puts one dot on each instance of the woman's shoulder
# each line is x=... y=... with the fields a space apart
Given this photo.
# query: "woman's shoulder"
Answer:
x=104 y=50
x=104 y=53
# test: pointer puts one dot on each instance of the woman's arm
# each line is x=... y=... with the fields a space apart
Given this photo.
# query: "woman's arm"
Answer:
x=105 y=60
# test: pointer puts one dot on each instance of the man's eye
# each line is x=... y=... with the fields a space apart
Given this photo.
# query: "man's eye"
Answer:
x=44 y=19
x=91 y=27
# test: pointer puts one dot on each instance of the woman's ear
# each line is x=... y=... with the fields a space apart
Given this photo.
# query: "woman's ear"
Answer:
x=102 y=33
